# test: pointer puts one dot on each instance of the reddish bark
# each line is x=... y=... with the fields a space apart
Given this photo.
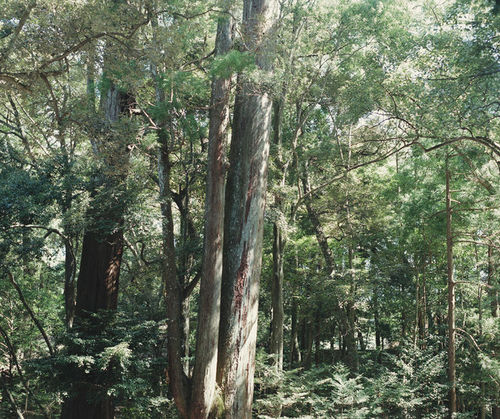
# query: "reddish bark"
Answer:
x=102 y=249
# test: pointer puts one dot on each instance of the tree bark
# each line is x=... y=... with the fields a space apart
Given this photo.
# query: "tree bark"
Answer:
x=204 y=373
x=244 y=217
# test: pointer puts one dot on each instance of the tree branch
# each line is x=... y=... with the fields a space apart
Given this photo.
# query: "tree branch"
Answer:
x=19 y=371
x=11 y=399
x=30 y=312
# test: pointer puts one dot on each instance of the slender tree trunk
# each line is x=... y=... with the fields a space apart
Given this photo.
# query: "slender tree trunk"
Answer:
x=186 y=261
x=492 y=286
x=179 y=385
x=493 y=293
x=69 y=284
x=244 y=217
x=317 y=338
x=423 y=321
x=361 y=341
x=417 y=309
x=482 y=387
x=352 y=350
x=204 y=373
x=376 y=320
x=277 y=298
x=308 y=343
x=278 y=244
x=295 y=350
x=332 y=342
x=451 y=301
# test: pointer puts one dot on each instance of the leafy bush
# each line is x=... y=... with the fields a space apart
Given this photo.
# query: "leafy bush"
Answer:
x=409 y=383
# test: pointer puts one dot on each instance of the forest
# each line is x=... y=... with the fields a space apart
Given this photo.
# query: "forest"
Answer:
x=249 y=209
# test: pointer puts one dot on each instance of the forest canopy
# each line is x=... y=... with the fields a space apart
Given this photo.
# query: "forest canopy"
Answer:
x=246 y=209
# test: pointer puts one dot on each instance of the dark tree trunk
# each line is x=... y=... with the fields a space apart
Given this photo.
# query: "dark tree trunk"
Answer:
x=362 y=345
x=99 y=272
x=69 y=284
x=294 y=351
x=243 y=225
x=97 y=286
x=81 y=408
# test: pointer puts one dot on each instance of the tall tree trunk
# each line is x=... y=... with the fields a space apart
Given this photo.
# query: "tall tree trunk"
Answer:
x=244 y=217
x=451 y=301
x=179 y=385
x=97 y=286
x=204 y=373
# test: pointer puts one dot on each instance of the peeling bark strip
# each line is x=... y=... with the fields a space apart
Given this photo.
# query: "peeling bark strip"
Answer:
x=243 y=224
